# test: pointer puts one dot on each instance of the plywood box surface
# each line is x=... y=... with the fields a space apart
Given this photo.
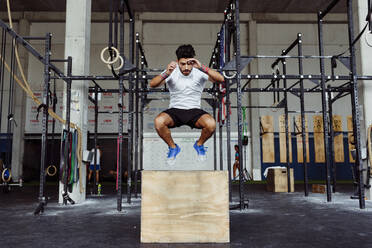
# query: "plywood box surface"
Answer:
x=277 y=180
x=185 y=206
x=318 y=188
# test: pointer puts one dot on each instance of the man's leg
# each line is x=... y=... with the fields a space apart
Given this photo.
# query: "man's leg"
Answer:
x=89 y=175
x=97 y=176
x=162 y=123
x=208 y=126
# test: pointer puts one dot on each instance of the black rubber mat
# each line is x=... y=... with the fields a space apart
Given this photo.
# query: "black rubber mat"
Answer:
x=272 y=220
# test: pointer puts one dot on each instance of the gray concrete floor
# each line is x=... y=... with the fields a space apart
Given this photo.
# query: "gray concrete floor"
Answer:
x=272 y=220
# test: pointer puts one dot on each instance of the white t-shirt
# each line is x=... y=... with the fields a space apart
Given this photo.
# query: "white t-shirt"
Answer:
x=98 y=156
x=186 y=91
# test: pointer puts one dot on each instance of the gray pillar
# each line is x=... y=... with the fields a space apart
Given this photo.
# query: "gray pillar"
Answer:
x=20 y=109
x=254 y=114
x=364 y=62
x=77 y=45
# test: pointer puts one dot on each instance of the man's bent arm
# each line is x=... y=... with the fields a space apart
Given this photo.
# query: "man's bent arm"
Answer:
x=214 y=76
x=160 y=79
x=157 y=81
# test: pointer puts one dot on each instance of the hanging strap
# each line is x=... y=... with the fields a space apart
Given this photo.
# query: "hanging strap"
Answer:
x=355 y=41
x=62 y=159
x=245 y=131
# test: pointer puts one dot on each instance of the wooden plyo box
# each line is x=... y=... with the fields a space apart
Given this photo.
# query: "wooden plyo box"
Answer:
x=277 y=180
x=318 y=188
x=185 y=206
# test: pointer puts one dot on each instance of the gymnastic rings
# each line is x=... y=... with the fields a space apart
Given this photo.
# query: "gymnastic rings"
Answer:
x=108 y=61
x=229 y=77
x=53 y=172
x=120 y=65
x=6 y=176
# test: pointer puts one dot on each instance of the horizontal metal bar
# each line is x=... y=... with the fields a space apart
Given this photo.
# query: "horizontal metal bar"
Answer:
x=294 y=90
x=111 y=112
x=89 y=78
x=271 y=76
x=33 y=38
x=59 y=60
x=290 y=57
x=307 y=111
x=141 y=90
x=257 y=107
x=11 y=184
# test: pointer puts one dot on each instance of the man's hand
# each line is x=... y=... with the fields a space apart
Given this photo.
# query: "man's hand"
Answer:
x=171 y=66
x=194 y=62
x=213 y=75
x=160 y=79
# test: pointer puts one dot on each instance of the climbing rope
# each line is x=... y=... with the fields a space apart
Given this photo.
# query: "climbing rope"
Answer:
x=245 y=129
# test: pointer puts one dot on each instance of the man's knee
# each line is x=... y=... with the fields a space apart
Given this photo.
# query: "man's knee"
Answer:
x=210 y=125
x=159 y=122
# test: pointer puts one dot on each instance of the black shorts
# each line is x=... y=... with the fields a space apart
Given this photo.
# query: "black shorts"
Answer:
x=182 y=117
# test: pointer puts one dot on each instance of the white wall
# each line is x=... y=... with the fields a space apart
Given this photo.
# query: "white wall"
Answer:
x=156 y=150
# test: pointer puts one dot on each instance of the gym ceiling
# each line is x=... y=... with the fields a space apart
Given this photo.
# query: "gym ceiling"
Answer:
x=201 y=6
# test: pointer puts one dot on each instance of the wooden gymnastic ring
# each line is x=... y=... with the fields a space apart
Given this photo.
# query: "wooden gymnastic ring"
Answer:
x=3 y=175
x=229 y=77
x=48 y=170
x=109 y=61
x=119 y=67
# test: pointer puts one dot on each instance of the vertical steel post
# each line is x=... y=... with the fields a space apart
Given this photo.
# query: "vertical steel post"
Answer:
x=130 y=114
x=2 y=72
x=67 y=126
x=95 y=137
x=9 y=136
x=45 y=103
x=214 y=135
x=239 y=101
x=220 y=123
x=228 y=35
x=284 y=62
x=357 y=126
x=136 y=136
x=120 y=105
x=324 y=106
x=53 y=121
x=302 y=107
x=143 y=86
x=331 y=139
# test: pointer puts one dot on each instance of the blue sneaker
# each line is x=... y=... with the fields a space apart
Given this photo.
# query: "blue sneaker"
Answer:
x=201 y=152
x=172 y=153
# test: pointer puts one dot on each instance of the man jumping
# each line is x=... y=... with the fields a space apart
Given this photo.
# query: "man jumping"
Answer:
x=185 y=85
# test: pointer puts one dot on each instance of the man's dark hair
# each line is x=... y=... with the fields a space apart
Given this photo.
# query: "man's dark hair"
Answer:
x=185 y=51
